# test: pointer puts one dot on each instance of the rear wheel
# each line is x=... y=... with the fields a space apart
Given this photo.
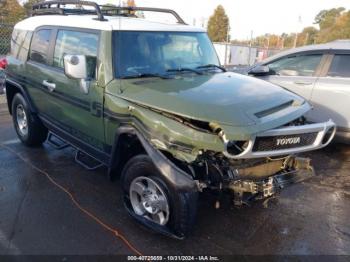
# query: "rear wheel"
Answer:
x=148 y=196
x=29 y=128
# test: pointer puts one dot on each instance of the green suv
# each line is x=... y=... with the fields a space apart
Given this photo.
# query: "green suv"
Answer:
x=150 y=101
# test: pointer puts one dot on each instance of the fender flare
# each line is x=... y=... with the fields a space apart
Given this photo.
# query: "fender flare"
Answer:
x=176 y=177
x=22 y=90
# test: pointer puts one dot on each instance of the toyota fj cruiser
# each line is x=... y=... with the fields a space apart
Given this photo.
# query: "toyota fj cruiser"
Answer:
x=150 y=101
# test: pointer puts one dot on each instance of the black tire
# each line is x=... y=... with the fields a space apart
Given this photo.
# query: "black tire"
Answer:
x=36 y=132
x=183 y=205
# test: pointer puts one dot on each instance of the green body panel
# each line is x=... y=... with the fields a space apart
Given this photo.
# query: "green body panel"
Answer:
x=162 y=132
x=227 y=100
x=78 y=113
x=105 y=61
x=83 y=117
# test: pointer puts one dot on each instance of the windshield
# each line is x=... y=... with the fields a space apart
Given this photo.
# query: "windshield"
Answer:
x=159 y=53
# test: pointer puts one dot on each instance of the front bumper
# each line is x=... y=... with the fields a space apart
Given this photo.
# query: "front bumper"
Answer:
x=323 y=135
x=247 y=191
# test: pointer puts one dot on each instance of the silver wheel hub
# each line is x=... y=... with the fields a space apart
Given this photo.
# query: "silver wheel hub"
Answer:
x=149 y=200
x=22 y=120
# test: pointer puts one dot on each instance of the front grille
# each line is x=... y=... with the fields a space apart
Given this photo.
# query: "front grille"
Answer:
x=271 y=143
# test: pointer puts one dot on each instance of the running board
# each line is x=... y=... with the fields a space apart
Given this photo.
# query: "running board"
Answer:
x=87 y=161
x=56 y=142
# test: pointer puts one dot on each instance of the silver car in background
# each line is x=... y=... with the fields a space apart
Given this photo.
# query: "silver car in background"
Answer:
x=319 y=73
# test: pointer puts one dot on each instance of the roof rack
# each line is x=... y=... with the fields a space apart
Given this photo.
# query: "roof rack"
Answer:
x=45 y=8
x=118 y=10
x=58 y=7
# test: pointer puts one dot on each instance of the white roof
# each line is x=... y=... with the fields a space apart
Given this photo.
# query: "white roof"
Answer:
x=112 y=23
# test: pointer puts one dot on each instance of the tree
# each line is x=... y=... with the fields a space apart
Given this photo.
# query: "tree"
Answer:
x=340 y=29
x=218 y=25
x=307 y=37
x=334 y=24
x=327 y=18
x=130 y=3
x=11 y=12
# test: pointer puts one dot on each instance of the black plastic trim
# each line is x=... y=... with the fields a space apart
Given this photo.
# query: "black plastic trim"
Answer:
x=175 y=177
x=23 y=92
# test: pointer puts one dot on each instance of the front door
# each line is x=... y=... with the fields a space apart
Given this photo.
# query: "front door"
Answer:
x=74 y=112
x=297 y=73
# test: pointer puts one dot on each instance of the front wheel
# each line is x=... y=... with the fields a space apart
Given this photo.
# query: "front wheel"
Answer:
x=149 y=197
x=29 y=128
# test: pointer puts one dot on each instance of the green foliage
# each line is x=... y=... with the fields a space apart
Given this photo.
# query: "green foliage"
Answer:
x=130 y=3
x=339 y=29
x=308 y=36
x=218 y=25
x=327 y=18
x=333 y=23
x=11 y=12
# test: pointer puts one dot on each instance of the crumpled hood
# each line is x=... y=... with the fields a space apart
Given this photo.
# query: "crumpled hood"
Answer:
x=227 y=98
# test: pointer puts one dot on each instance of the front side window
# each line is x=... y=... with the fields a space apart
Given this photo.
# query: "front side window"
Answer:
x=76 y=43
x=340 y=66
x=304 y=65
x=40 y=46
x=137 y=53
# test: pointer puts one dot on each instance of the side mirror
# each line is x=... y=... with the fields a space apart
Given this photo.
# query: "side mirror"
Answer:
x=260 y=70
x=75 y=67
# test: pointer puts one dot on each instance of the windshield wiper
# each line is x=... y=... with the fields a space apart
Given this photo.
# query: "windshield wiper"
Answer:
x=212 y=66
x=144 y=75
x=185 y=69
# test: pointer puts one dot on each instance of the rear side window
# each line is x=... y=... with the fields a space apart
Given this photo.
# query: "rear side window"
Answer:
x=16 y=42
x=20 y=43
x=24 y=48
x=40 y=46
x=340 y=66
x=303 y=65
x=76 y=43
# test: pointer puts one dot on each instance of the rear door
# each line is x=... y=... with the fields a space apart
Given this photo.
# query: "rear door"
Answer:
x=297 y=73
x=37 y=68
x=331 y=95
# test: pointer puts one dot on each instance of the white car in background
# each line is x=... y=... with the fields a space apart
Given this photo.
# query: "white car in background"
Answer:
x=319 y=73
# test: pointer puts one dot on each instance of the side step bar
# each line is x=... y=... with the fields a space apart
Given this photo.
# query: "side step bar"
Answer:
x=56 y=142
x=82 y=158
x=87 y=161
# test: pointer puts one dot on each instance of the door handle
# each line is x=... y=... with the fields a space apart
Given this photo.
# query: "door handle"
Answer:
x=50 y=86
x=302 y=83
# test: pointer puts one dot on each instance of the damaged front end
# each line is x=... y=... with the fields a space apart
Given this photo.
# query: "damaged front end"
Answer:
x=253 y=156
x=259 y=167
x=254 y=179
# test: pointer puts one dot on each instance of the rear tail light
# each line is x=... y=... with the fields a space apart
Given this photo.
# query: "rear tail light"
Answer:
x=3 y=63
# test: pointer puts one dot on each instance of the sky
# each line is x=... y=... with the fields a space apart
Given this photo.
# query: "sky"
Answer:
x=259 y=16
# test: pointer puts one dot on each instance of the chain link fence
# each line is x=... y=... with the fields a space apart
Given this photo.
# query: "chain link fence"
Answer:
x=5 y=45
x=5 y=38
x=232 y=55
